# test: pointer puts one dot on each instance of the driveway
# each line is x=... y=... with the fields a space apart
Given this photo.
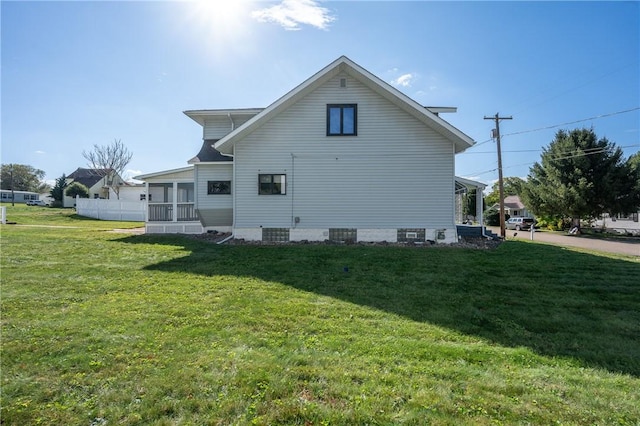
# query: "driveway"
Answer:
x=611 y=245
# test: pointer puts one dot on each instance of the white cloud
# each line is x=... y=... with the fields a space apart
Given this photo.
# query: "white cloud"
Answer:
x=40 y=152
x=130 y=173
x=290 y=14
x=404 y=80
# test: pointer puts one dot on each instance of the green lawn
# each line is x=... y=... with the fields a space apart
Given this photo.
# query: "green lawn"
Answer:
x=100 y=328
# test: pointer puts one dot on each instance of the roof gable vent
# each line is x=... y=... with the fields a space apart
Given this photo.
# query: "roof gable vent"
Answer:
x=343 y=82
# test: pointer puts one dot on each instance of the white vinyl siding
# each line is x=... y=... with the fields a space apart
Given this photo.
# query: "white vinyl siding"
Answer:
x=207 y=172
x=396 y=173
x=214 y=209
x=218 y=127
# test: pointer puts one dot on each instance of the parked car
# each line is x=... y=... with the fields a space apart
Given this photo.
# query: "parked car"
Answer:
x=37 y=203
x=520 y=223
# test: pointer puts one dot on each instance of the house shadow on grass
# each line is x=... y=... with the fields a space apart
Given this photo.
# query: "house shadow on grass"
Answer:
x=556 y=301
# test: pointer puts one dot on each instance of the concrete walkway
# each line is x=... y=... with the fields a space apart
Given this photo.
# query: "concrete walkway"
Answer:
x=609 y=245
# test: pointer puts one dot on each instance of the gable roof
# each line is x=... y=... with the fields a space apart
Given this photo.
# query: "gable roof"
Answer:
x=344 y=64
x=513 y=202
x=87 y=177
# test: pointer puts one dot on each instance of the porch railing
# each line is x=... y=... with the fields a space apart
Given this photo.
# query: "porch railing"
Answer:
x=185 y=212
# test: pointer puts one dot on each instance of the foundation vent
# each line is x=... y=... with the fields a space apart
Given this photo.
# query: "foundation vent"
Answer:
x=275 y=235
x=411 y=235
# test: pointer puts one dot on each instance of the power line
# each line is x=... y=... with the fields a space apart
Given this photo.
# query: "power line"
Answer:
x=566 y=156
x=573 y=122
x=557 y=125
x=535 y=150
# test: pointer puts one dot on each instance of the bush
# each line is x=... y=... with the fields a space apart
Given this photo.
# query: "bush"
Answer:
x=77 y=189
x=553 y=223
x=492 y=217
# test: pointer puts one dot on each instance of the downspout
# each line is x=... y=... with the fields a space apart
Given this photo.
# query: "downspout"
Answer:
x=233 y=125
x=293 y=221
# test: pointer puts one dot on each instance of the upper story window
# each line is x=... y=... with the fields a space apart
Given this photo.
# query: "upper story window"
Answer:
x=342 y=120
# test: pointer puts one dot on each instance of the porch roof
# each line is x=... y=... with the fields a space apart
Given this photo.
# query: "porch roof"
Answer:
x=164 y=173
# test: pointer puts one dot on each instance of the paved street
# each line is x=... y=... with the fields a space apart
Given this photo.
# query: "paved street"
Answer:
x=598 y=244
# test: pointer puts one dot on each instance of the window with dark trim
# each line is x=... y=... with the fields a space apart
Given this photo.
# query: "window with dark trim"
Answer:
x=217 y=187
x=342 y=120
x=272 y=184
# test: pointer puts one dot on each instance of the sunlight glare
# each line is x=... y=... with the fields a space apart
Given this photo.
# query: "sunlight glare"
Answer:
x=222 y=21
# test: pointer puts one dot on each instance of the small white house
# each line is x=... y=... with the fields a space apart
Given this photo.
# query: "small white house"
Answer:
x=100 y=183
x=343 y=156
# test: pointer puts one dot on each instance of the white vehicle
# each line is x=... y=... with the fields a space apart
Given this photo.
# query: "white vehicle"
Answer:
x=37 y=203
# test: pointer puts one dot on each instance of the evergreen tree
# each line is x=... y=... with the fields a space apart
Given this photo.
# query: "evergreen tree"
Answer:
x=57 y=192
x=579 y=176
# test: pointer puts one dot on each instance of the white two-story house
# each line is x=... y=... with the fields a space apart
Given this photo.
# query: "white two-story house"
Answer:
x=343 y=156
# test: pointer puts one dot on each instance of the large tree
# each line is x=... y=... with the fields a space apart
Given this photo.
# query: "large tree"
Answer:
x=580 y=176
x=510 y=186
x=21 y=177
x=109 y=161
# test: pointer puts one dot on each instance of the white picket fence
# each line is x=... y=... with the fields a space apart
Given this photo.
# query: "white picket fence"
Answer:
x=111 y=209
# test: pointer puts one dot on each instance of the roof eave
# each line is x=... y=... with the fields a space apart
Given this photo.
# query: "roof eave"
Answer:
x=200 y=115
x=164 y=172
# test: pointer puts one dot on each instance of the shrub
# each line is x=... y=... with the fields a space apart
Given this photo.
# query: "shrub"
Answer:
x=492 y=217
x=553 y=223
x=77 y=189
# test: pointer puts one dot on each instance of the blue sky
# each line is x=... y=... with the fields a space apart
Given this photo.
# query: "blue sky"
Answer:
x=75 y=74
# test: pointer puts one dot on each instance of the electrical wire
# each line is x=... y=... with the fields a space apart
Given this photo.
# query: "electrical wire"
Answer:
x=572 y=122
x=564 y=156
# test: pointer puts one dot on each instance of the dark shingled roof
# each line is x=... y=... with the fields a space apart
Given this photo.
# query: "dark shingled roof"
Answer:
x=209 y=154
x=87 y=177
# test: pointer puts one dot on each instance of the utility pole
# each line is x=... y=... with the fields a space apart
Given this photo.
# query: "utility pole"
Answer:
x=496 y=133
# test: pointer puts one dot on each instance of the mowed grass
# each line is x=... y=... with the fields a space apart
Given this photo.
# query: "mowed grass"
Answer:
x=101 y=328
x=22 y=214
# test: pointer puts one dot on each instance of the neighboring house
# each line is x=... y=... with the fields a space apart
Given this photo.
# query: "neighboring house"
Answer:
x=343 y=156
x=18 y=196
x=513 y=206
x=100 y=183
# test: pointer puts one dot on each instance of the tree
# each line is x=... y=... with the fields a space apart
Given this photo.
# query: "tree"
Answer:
x=579 y=176
x=77 y=189
x=633 y=162
x=57 y=192
x=511 y=186
x=21 y=177
x=109 y=161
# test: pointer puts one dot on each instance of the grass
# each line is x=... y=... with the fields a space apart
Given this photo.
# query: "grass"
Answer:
x=22 y=214
x=101 y=328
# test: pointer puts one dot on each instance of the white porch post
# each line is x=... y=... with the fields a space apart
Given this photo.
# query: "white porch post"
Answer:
x=146 y=201
x=479 y=206
x=175 y=201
